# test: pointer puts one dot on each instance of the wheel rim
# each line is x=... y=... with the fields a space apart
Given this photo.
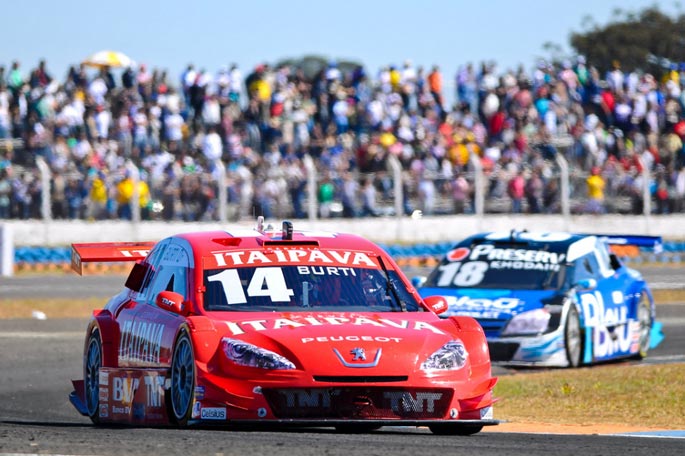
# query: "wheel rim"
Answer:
x=182 y=378
x=92 y=378
x=573 y=343
x=644 y=316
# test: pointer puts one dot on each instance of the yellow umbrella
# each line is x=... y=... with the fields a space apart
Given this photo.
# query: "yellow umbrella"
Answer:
x=113 y=59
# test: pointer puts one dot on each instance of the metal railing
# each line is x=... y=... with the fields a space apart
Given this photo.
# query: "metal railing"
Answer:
x=401 y=197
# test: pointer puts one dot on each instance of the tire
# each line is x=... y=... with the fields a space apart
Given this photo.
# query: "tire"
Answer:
x=182 y=390
x=92 y=362
x=454 y=429
x=644 y=316
x=573 y=338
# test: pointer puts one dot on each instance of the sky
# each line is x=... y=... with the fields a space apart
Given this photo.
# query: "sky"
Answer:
x=210 y=33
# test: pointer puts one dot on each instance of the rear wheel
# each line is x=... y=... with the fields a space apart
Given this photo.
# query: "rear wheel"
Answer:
x=573 y=338
x=91 y=375
x=452 y=429
x=182 y=380
x=644 y=317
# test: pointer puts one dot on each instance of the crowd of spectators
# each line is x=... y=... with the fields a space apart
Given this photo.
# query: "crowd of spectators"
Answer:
x=180 y=133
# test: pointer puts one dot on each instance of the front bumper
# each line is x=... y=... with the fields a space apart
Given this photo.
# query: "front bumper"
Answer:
x=545 y=350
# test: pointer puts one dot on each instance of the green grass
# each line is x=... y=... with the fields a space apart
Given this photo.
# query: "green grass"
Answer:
x=621 y=394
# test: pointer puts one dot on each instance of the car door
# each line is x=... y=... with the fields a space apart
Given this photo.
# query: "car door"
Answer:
x=158 y=327
x=604 y=307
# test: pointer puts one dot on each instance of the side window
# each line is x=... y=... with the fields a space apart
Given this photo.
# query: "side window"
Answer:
x=604 y=259
x=586 y=267
x=153 y=260
x=171 y=273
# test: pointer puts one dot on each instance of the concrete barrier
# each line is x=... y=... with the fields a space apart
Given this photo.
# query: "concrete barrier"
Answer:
x=386 y=230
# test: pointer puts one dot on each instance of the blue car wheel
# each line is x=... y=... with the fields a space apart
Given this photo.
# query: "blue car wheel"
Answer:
x=573 y=339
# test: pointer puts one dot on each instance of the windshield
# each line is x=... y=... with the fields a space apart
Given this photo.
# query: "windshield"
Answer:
x=499 y=266
x=303 y=288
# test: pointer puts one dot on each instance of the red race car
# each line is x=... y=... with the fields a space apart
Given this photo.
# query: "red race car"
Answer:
x=277 y=326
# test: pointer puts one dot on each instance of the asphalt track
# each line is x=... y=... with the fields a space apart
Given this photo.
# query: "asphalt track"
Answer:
x=38 y=359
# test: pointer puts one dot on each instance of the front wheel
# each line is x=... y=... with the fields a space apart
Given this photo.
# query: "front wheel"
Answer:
x=182 y=380
x=573 y=338
x=451 y=429
x=644 y=317
x=91 y=375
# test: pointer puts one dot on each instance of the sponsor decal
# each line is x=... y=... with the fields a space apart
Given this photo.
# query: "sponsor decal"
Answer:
x=620 y=340
x=104 y=411
x=103 y=394
x=326 y=270
x=213 y=413
x=238 y=328
x=124 y=389
x=492 y=253
x=135 y=253
x=140 y=342
x=103 y=378
x=483 y=303
x=199 y=393
x=401 y=402
x=119 y=410
x=297 y=256
x=596 y=313
x=404 y=401
x=154 y=389
x=196 y=410
x=486 y=413
x=458 y=254
x=138 y=411
x=306 y=340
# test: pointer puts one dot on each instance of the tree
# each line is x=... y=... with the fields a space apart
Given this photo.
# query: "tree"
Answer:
x=649 y=40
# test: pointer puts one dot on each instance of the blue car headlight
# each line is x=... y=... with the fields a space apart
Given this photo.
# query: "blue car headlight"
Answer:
x=451 y=356
x=528 y=323
x=245 y=354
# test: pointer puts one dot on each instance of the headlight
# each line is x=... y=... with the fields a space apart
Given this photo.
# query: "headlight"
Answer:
x=528 y=323
x=245 y=354
x=451 y=356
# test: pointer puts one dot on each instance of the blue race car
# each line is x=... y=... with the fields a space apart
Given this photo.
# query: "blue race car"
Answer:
x=550 y=298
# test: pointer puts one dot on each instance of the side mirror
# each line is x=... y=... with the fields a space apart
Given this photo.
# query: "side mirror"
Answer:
x=418 y=281
x=437 y=304
x=171 y=301
x=137 y=276
x=586 y=285
x=615 y=262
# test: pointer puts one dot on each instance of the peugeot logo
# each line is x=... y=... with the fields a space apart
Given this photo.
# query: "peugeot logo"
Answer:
x=358 y=354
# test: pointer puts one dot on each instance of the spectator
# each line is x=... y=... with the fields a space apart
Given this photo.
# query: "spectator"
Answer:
x=461 y=190
x=369 y=198
x=533 y=191
x=5 y=192
x=595 y=190
x=516 y=191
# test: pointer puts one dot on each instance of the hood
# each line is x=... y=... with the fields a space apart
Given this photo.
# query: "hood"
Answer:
x=495 y=304
x=343 y=343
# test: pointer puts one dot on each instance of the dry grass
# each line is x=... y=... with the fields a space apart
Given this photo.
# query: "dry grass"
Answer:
x=630 y=395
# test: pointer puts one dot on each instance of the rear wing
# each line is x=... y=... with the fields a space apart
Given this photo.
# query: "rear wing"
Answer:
x=107 y=252
x=629 y=246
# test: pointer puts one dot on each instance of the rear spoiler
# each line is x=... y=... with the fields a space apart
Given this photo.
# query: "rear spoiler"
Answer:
x=107 y=252
x=629 y=245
